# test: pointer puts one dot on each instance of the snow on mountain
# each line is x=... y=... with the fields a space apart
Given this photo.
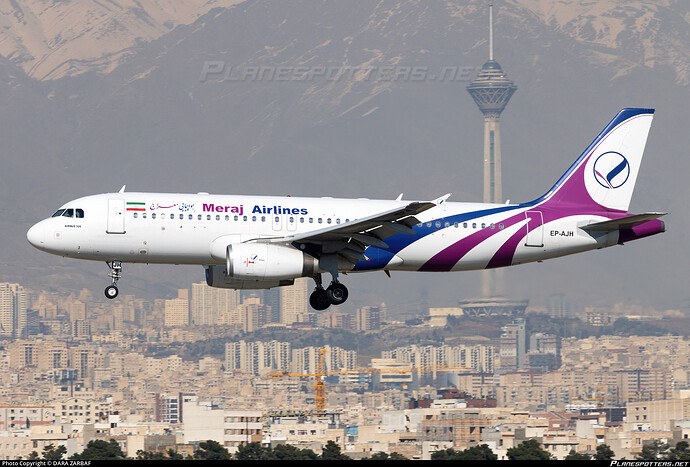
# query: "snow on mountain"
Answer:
x=52 y=39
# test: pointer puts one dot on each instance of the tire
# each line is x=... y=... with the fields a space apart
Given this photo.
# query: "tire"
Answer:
x=337 y=293
x=319 y=300
x=111 y=292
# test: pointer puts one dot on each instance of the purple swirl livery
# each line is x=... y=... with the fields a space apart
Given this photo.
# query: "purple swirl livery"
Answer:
x=260 y=242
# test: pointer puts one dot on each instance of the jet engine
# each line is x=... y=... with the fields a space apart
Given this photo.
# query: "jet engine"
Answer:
x=264 y=261
x=216 y=277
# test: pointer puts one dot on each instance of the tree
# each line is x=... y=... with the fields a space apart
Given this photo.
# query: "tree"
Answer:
x=653 y=451
x=680 y=452
x=577 y=456
x=383 y=456
x=604 y=453
x=100 y=450
x=254 y=452
x=53 y=453
x=474 y=453
x=331 y=452
x=289 y=452
x=527 y=451
x=211 y=450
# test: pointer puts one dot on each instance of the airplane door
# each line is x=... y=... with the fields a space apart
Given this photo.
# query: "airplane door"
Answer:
x=535 y=229
x=116 y=216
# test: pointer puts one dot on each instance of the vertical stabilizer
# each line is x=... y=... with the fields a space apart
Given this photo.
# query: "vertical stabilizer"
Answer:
x=604 y=176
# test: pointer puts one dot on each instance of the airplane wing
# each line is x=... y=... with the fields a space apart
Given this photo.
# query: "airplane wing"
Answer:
x=624 y=222
x=351 y=238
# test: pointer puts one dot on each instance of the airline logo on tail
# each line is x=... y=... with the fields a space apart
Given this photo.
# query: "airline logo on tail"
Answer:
x=611 y=170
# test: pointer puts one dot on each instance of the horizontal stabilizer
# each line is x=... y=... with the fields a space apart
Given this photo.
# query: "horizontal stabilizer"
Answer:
x=624 y=222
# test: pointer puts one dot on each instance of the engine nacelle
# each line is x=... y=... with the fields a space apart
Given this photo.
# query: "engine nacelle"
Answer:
x=216 y=277
x=264 y=261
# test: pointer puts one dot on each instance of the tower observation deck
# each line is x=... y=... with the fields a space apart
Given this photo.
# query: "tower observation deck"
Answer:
x=491 y=91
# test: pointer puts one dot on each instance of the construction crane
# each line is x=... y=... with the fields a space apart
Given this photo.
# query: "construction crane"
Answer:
x=321 y=373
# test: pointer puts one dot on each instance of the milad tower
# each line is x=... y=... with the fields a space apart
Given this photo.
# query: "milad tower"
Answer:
x=491 y=91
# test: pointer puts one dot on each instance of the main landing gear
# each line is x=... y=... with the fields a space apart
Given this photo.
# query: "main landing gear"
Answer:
x=321 y=298
x=115 y=274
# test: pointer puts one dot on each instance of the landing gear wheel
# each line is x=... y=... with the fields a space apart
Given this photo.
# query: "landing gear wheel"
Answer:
x=319 y=300
x=337 y=293
x=111 y=292
x=115 y=274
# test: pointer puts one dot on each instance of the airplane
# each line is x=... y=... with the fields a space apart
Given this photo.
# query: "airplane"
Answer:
x=261 y=242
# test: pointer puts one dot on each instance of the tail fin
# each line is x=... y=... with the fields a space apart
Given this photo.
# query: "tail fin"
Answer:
x=603 y=177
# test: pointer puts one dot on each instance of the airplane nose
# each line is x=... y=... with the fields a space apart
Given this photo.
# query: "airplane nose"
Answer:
x=36 y=235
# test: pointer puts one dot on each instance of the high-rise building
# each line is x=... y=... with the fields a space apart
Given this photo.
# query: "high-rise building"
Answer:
x=208 y=305
x=177 y=310
x=13 y=305
x=513 y=345
x=293 y=301
x=491 y=91
x=368 y=318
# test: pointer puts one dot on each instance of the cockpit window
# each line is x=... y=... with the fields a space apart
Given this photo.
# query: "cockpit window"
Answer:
x=78 y=213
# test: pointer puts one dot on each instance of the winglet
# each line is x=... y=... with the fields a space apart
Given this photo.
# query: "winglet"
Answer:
x=442 y=199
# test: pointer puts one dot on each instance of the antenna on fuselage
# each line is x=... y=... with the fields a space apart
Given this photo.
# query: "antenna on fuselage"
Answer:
x=122 y=190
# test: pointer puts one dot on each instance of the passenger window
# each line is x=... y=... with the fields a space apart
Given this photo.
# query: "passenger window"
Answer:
x=493 y=226
x=500 y=226
x=464 y=225
x=172 y=216
x=301 y=220
x=79 y=213
x=474 y=225
x=227 y=218
x=208 y=217
x=153 y=215
x=253 y=218
x=191 y=217
x=456 y=225
x=181 y=216
x=263 y=218
x=292 y=220
x=143 y=216
x=58 y=213
x=428 y=224
x=337 y=221
x=135 y=215
x=236 y=218
x=438 y=224
x=217 y=217
x=320 y=221
x=447 y=224
x=328 y=220
x=244 y=218
x=483 y=225
x=198 y=217
x=311 y=220
x=276 y=220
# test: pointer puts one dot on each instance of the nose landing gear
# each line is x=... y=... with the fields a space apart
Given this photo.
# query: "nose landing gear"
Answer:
x=115 y=274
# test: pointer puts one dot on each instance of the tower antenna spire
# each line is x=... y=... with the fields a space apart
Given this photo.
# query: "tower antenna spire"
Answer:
x=491 y=30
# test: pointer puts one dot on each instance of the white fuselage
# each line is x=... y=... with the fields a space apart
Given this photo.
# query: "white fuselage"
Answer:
x=196 y=228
